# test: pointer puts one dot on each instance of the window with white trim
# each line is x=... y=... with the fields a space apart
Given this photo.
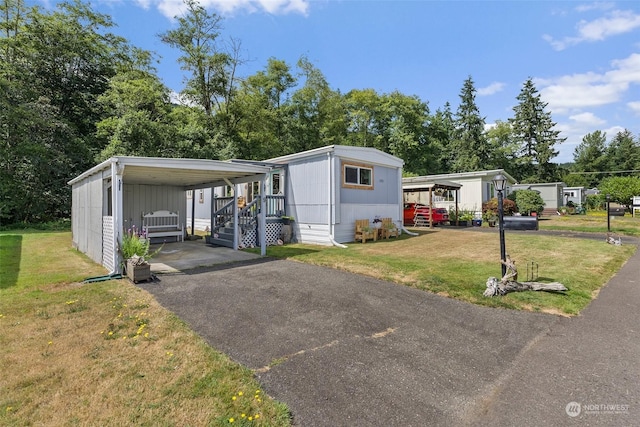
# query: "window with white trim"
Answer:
x=357 y=176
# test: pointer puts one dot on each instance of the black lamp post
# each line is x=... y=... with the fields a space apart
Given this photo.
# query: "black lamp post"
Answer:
x=499 y=183
x=608 y=214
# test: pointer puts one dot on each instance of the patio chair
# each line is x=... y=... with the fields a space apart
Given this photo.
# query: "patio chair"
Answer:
x=364 y=231
x=389 y=228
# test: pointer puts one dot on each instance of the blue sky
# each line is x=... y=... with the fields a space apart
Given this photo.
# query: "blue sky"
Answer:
x=584 y=57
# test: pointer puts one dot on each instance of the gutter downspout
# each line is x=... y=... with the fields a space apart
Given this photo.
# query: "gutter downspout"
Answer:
x=401 y=213
x=329 y=203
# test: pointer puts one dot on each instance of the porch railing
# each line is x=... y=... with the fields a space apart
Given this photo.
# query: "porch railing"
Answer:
x=223 y=211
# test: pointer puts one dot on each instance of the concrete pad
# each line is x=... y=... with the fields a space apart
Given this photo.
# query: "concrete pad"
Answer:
x=180 y=256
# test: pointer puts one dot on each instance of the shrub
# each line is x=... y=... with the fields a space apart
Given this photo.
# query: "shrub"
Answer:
x=490 y=208
x=529 y=201
x=596 y=201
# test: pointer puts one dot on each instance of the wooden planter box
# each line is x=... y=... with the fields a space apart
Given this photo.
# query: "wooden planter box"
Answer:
x=138 y=273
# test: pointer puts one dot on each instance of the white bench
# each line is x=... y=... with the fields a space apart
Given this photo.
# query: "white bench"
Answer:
x=162 y=224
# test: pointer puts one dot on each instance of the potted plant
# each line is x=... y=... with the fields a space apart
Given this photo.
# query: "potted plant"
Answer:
x=135 y=252
x=287 y=220
x=465 y=218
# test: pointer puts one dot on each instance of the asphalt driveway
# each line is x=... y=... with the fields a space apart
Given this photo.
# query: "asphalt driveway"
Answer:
x=346 y=350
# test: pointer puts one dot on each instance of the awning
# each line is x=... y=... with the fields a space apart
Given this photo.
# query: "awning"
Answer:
x=186 y=173
x=425 y=186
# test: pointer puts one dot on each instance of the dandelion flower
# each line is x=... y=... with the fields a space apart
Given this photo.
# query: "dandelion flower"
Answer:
x=239 y=393
x=250 y=418
x=256 y=416
x=231 y=420
x=50 y=342
x=146 y=335
x=110 y=333
x=243 y=415
x=233 y=398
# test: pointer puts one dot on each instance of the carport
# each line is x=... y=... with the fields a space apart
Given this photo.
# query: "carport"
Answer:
x=113 y=195
x=431 y=187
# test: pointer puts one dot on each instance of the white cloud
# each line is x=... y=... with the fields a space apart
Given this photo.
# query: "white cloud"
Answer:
x=173 y=8
x=588 y=119
x=577 y=91
x=595 y=6
x=614 y=23
x=613 y=131
x=145 y=4
x=634 y=106
x=494 y=87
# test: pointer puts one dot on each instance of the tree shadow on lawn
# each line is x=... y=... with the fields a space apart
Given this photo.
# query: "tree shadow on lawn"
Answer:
x=10 y=254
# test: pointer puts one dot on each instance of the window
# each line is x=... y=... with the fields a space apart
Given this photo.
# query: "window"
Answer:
x=357 y=176
x=275 y=183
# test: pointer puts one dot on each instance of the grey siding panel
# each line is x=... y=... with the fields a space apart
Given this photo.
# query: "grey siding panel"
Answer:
x=345 y=231
x=307 y=190
x=385 y=188
x=317 y=234
x=86 y=218
x=148 y=198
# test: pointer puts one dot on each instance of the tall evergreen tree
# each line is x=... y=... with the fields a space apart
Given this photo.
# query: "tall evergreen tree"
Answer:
x=590 y=156
x=469 y=145
x=623 y=153
x=533 y=131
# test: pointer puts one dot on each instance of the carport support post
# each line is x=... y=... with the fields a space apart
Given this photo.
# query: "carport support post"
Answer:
x=262 y=220
x=117 y=171
x=430 y=207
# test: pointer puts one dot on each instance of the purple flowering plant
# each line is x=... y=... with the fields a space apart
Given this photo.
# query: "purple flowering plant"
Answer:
x=135 y=243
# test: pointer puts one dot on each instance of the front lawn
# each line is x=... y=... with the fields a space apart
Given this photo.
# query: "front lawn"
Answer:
x=106 y=353
x=457 y=263
x=593 y=222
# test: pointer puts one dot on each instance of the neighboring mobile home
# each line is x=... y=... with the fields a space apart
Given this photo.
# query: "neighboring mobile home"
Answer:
x=576 y=195
x=552 y=194
x=476 y=188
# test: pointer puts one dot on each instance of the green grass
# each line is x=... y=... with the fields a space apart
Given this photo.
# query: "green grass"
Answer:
x=457 y=263
x=106 y=353
x=594 y=222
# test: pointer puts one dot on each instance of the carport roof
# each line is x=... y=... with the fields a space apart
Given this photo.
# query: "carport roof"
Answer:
x=188 y=173
x=447 y=185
